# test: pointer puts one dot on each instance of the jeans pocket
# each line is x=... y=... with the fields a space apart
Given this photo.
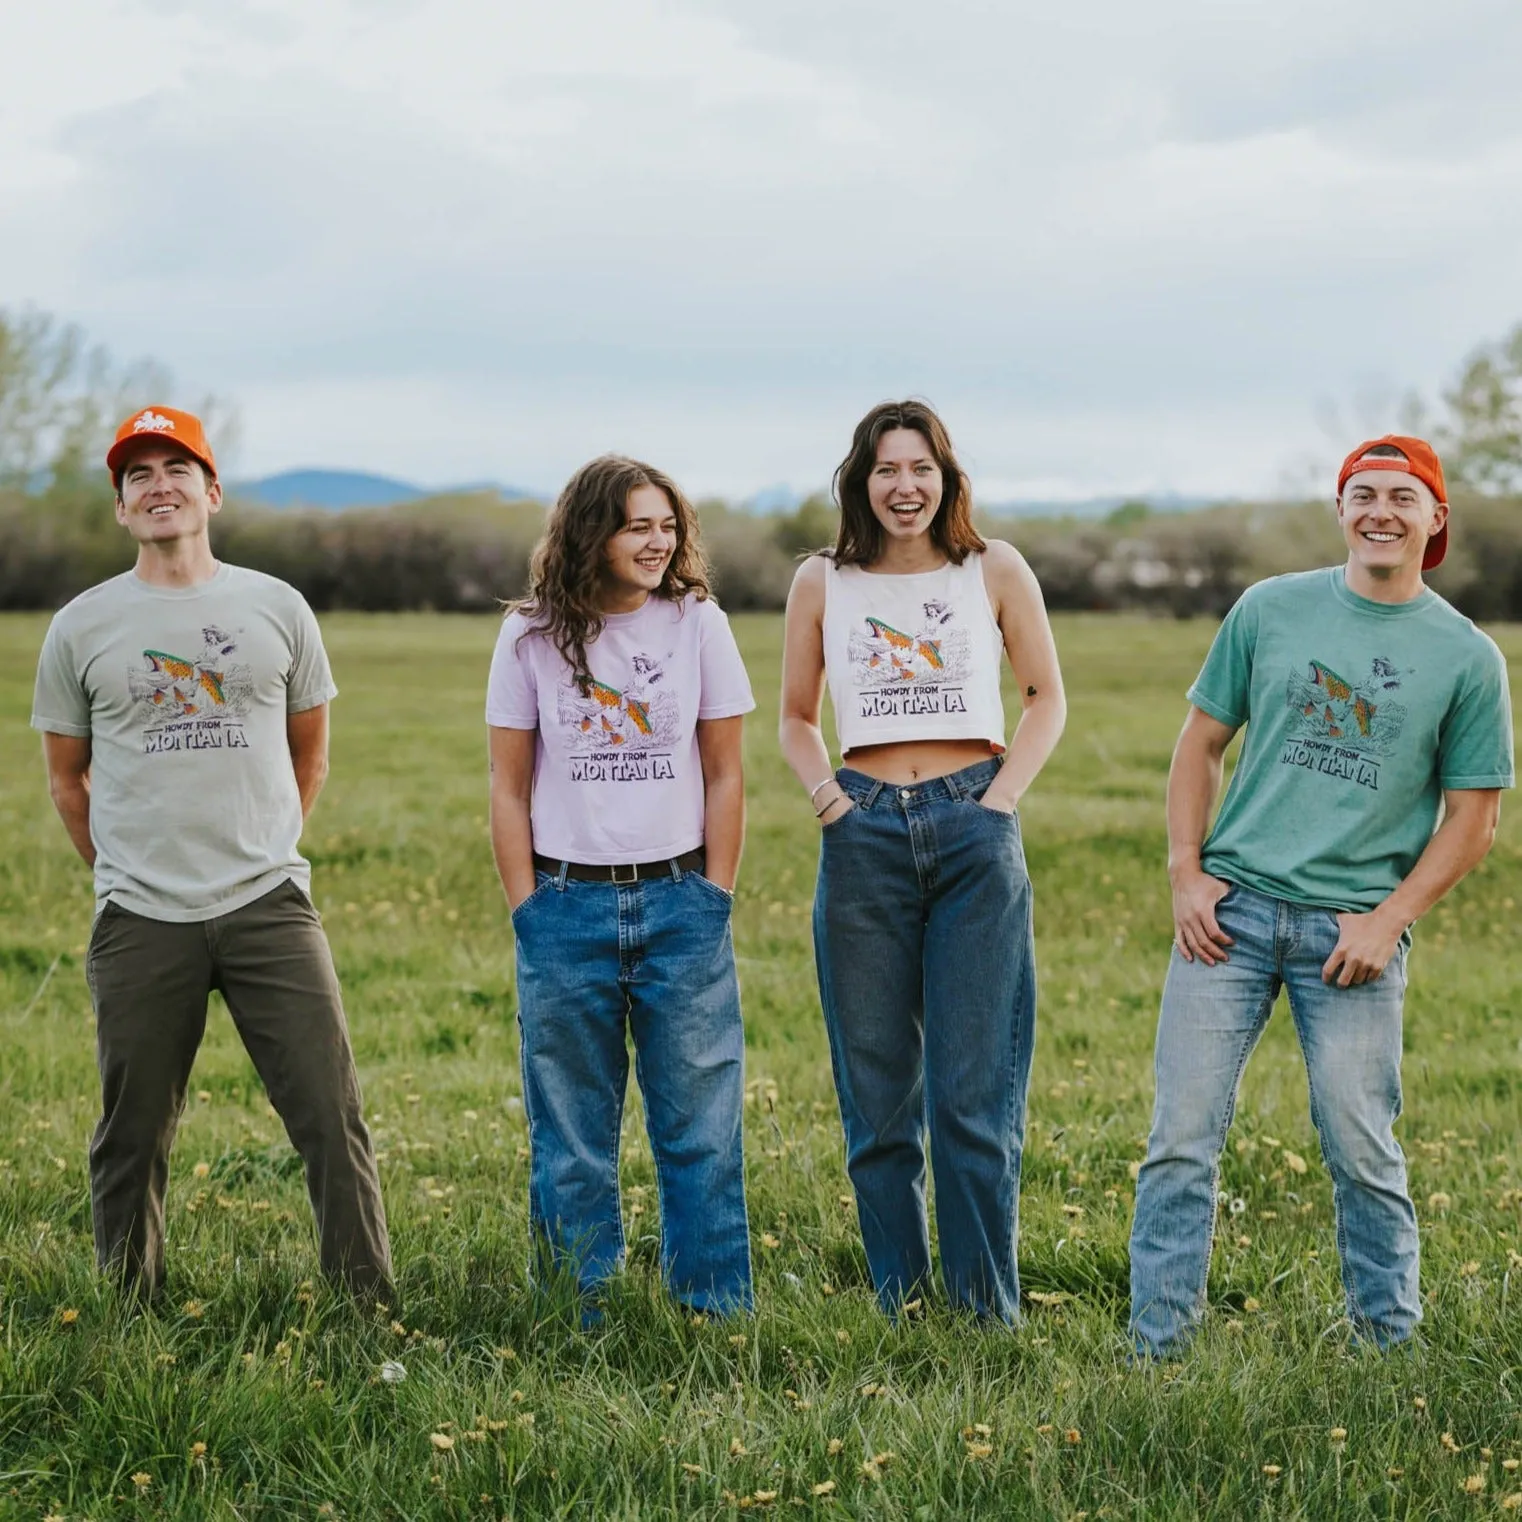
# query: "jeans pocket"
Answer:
x=839 y=819
x=544 y=880
x=710 y=887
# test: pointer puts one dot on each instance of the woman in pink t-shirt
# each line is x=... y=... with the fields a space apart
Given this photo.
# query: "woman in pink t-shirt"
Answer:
x=617 y=814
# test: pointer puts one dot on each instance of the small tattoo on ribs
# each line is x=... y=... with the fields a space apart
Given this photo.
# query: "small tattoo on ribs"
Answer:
x=1030 y=692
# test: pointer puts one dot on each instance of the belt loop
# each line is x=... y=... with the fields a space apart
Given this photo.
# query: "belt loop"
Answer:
x=953 y=787
x=560 y=876
x=676 y=869
x=872 y=793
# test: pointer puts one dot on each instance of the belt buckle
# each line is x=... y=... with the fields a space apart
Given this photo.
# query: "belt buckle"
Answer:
x=632 y=868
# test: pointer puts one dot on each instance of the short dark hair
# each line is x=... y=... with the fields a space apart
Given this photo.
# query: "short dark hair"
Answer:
x=1386 y=452
x=861 y=537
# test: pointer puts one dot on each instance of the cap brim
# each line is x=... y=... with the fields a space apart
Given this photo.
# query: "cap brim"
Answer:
x=117 y=454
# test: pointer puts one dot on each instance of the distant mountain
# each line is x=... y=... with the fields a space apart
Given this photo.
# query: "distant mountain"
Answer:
x=336 y=490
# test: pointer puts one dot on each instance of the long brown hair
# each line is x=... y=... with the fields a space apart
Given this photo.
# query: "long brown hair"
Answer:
x=565 y=575
x=861 y=537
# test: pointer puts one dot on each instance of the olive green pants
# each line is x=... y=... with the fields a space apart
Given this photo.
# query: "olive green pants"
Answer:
x=270 y=961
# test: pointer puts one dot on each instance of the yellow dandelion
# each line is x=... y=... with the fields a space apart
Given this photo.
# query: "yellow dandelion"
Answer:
x=1273 y=1471
x=883 y=1459
x=842 y=1336
x=198 y=1450
x=1449 y=1443
x=870 y=1471
x=204 y=1096
x=68 y=1317
x=441 y=1440
x=737 y=1341
x=768 y=1240
x=1439 y=1200
x=736 y=1448
x=1395 y=1473
x=1470 y=1269
x=827 y=1289
x=978 y=1451
x=1473 y=1484
x=1072 y=1435
x=764 y=1497
x=141 y=1480
x=1512 y=1502
x=1249 y=1304
x=694 y=1469
x=1510 y=1465
x=1046 y=1429
x=527 y=1419
x=1294 y=1162
x=834 y=1446
x=194 y=1309
x=201 y=1170
x=824 y=1488
x=1338 y=1434
x=1419 y=1402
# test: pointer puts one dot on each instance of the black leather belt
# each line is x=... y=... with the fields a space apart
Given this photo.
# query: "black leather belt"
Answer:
x=623 y=872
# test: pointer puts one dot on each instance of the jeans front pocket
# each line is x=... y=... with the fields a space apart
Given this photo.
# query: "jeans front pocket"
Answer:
x=543 y=882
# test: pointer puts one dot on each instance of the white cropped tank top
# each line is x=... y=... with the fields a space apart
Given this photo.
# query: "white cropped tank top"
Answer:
x=912 y=657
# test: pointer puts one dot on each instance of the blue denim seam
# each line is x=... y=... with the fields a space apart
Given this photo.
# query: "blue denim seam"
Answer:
x=1253 y=1036
x=1356 y=1313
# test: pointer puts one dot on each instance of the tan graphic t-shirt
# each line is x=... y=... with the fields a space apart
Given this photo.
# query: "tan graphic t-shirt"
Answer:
x=183 y=694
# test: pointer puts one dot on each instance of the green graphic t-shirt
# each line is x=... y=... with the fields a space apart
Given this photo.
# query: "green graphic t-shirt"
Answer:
x=1359 y=714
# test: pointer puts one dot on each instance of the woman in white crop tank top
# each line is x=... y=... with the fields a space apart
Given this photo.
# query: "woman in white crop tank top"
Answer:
x=922 y=910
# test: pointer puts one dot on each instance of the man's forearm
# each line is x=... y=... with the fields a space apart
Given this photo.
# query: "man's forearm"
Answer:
x=1193 y=781
x=73 y=805
x=310 y=776
x=1458 y=847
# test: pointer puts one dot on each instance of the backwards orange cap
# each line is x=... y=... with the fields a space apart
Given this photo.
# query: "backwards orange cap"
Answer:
x=1417 y=458
x=182 y=428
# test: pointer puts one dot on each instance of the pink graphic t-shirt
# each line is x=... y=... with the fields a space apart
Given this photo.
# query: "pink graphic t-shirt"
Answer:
x=617 y=777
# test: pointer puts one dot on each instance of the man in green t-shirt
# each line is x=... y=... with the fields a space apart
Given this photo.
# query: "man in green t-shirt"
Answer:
x=184 y=712
x=1372 y=711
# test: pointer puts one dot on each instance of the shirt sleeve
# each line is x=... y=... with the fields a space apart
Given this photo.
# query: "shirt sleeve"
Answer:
x=60 y=704
x=724 y=686
x=1224 y=686
x=311 y=678
x=512 y=693
x=1475 y=746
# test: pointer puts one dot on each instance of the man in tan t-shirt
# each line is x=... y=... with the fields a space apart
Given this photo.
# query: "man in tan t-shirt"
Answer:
x=184 y=713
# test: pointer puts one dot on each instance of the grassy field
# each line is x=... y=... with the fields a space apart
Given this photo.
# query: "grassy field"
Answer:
x=258 y=1395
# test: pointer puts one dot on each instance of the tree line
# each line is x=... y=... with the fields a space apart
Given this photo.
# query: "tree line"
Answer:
x=59 y=399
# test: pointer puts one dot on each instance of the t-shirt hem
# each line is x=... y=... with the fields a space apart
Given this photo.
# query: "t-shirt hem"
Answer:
x=618 y=858
x=60 y=727
x=179 y=914
x=727 y=710
x=512 y=720
x=898 y=736
x=1218 y=711
x=1289 y=894
x=1489 y=780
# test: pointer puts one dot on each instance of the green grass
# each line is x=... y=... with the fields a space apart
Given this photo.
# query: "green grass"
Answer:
x=653 y=1416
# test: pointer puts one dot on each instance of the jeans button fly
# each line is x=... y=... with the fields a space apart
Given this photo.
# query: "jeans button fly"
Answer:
x=905 y=793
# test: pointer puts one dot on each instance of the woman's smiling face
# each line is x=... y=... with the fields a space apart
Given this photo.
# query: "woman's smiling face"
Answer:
x=905 y=484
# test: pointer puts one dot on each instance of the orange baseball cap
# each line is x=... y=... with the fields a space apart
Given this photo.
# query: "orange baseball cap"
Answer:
x=182 y=428
x=1417 y=458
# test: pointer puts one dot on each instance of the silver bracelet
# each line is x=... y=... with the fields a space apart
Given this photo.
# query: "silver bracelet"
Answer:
x=814 y=791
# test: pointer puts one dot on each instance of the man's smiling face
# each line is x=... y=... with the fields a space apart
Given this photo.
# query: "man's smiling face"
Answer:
x=165 y=493
x=1387 y=517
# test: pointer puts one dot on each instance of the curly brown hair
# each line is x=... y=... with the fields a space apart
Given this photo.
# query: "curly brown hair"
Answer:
x=861 y=537
x=566 y=573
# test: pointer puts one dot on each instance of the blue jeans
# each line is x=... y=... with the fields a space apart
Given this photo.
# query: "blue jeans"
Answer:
x=657 y=956
x=1211 y=1019
x=922 y=938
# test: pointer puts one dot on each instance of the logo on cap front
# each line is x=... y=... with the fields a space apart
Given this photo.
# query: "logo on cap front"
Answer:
x=152 y=422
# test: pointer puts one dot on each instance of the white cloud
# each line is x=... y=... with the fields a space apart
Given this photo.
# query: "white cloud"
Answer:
x=1116 y=244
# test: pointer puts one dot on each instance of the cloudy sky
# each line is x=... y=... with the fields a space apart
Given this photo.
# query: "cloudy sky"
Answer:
x=1121 y=247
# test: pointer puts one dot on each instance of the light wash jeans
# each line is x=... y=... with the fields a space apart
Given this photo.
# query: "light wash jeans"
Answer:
x=922 y=937
x=655 y=956
x=1211 y=1019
